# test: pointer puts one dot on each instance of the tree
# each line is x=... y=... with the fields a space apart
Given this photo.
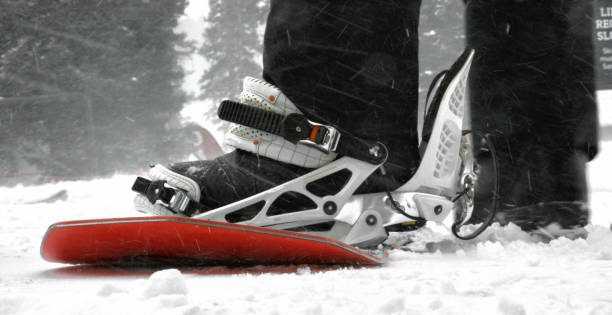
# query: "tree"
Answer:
x=442 y=39
x=232 y=46
x=119 y=56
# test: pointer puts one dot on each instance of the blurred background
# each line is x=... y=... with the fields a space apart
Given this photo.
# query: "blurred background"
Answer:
x=93 y=88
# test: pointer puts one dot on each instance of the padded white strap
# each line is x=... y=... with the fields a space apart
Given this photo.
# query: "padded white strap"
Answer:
x=160 y=172
x=263 y=95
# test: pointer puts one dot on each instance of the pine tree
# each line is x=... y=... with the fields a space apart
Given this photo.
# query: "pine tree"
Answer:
x=441 y=40
x=117 y=62
x=232 y=46
x=442 y=35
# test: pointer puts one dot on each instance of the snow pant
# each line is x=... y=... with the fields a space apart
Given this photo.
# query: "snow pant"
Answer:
x=353 y=64
x=532 y=91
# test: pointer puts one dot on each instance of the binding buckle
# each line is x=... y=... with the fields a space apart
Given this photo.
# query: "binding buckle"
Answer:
x=323 y=138
x=296 y=128
x=179 y=201
x=159 y=192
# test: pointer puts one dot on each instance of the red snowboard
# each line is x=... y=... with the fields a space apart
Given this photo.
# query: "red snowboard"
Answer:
x=184 y=241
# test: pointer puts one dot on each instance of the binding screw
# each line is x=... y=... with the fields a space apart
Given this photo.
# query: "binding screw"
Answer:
x=375 y=151
x=330 y=208
x=438 y=210
x=298 y=129
x=371 y=220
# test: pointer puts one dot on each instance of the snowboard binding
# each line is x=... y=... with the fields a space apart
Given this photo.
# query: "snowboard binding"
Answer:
x=443 y=183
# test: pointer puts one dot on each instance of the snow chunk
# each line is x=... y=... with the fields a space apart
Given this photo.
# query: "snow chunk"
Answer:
x=316 y=309
x=195 y=310
x=601 y=309
x=109 y=289
x=508 y=307
x=10 y=304
x=171 y=301
x=436 y=304
x=448 y=288
x=490 y=249
x=168 y=281
x=533 y=261
x=303 y=271
x=392 y=306
x=598 y=235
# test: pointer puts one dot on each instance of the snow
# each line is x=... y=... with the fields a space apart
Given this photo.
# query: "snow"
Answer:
x=505 y=271
x=193 y=24
x=169 y=281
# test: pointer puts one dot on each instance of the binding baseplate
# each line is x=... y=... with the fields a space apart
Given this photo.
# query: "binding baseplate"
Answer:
x=443 y=184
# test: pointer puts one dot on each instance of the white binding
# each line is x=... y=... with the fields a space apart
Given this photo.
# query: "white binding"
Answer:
x=427 y=194
x=263 y=95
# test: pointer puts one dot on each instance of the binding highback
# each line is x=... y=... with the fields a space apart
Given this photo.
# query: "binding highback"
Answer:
x=442 y=132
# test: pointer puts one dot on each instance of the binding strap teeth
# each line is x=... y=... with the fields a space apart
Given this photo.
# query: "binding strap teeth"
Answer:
x=296 y=128
x=250 y=116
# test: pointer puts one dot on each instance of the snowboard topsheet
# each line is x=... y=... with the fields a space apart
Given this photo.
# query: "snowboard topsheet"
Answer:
x=185 y=241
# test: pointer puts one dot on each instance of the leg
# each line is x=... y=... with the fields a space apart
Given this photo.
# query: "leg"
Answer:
x=352 y=64
x=532 y=91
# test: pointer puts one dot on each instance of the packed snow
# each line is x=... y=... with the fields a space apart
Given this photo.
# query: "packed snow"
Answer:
x=505 y=271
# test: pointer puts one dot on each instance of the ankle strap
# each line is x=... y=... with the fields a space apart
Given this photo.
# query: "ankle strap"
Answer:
x=296 y=128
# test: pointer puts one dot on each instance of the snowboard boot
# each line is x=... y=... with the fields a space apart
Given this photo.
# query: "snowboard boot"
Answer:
x=543 y=194
x=215 y=183
x=260 y=162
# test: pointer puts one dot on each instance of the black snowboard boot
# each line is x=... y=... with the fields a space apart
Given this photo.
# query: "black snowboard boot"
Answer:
x=260 y=162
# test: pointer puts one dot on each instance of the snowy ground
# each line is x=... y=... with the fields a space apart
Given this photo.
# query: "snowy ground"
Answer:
x=502 y=272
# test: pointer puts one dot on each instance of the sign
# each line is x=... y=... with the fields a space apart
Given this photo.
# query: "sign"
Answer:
x=602 y=28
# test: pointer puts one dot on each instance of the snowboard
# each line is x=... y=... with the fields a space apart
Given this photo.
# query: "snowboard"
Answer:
x=191 y=242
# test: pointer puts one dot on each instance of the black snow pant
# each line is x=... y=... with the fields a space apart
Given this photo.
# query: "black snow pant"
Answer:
x=532 y=91
x=353 y=64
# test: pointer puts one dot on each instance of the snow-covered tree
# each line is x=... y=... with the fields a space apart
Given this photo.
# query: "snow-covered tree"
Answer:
x=232 y=46
x=116 y=59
